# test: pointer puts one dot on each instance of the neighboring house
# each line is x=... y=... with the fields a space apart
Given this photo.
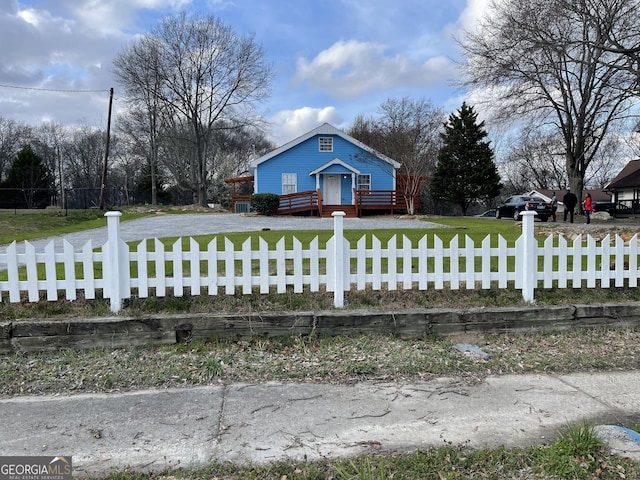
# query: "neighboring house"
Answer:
x=546 y=195
x=326 y=170
x=625 y=187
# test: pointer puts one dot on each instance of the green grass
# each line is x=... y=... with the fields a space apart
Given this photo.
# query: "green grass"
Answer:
x=33 y=224
x=474 y=228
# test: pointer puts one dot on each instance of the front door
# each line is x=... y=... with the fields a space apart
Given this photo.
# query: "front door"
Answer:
x=332 y=192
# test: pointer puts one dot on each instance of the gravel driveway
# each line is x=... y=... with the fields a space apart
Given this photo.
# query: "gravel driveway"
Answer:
x=187 y=225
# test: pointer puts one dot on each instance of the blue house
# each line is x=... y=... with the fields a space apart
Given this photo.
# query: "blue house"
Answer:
x=326 y=170
x=323 y=171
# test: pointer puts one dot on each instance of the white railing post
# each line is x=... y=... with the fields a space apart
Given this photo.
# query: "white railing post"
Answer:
x=112 y=262
x=338 y=259
x=530 y=256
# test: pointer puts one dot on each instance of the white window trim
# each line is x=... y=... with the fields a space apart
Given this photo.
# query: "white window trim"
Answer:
x=358 y=184
x=292 y=181
x=321 y=144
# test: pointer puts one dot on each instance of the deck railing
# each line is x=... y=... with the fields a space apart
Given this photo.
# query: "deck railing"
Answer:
x=298 y=202
x=381 y=200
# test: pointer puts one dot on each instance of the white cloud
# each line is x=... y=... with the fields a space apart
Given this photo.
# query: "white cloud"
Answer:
x=113 y=17
x=352 y=58
x=472 y=13
x=290 y=124
x=349 y=69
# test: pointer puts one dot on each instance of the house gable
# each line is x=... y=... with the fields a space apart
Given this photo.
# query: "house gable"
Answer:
x=628 y=178
x=335 y=166
x=547 y=194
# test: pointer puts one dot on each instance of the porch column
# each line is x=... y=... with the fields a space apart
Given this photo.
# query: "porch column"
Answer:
x=353 y=188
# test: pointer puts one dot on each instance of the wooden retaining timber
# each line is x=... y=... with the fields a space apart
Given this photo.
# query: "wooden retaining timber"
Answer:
x=36 y=335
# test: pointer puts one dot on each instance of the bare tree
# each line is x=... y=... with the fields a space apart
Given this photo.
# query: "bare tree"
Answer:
x=139 y=69
x=205 y=76
x=535 y=160
x=83 y=158
x=618 y=31
x=408 y=131
x=544 y=59
x=236 y=149
x=47 y=139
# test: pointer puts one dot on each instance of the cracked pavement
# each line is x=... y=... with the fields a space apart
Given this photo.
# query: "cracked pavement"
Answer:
x=156 y=429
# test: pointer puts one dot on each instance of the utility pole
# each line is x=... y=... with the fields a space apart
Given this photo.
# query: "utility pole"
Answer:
x=106 y=152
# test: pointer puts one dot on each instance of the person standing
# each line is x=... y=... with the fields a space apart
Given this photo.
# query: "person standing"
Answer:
x=588 y=208
x=570 y=201
x=554 y=206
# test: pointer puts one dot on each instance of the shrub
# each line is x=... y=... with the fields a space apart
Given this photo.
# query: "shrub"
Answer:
x=265 y=203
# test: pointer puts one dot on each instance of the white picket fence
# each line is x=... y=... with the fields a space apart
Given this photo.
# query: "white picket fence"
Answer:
x=117 y=272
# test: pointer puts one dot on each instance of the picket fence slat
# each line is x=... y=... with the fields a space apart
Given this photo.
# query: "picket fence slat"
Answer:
x=32 y=272
x=69 y=271
x=470 y=257
x=314 y=265
x=212 y=267
x=88 y=274
x=245 y=281
x=421 y=264
x=263 y=259
x=605 y=280
x=591 y=262
x=194 y=267
x=619 y=262
x=633 y=262
x=176 y=260
x=50 y=271
x=160 y=279
x=12 y=273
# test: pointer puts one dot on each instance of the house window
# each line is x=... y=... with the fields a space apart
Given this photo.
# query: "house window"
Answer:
x=364 y=182
x=325 y=144
x=289 y=183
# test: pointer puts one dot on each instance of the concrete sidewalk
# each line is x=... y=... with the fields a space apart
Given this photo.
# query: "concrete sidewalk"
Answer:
x=153 y=430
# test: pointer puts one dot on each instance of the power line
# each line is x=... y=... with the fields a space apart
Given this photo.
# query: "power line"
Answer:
x=51 y=89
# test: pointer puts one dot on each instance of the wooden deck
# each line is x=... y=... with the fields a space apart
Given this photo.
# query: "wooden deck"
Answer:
x=391 y=201
x=307 y=201
x=385 y=201
x=310 y=202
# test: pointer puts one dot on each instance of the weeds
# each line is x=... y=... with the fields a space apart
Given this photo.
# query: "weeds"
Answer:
x=314 y=358
x=447 y=463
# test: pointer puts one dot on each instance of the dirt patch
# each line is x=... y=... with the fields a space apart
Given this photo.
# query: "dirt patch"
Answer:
x=162 y=209
x=625 y=228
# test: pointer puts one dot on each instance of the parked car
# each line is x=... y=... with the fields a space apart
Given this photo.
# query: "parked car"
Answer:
x=512 y=207
x=487 y=214
x=612 y=208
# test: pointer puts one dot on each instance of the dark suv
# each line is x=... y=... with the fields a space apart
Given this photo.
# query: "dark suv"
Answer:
x=613 y=209
x=512 y=207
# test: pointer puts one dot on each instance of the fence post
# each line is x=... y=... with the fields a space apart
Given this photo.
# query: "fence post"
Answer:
x=338 y=256
x=111 y=264
x=530 y=256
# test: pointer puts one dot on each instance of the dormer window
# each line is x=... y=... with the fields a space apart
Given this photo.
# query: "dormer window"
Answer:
x=325 y=144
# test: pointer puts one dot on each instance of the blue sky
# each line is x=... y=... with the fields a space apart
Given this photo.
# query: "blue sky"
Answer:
x=333 y=59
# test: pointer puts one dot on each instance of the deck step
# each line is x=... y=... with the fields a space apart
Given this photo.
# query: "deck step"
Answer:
x=349 y=210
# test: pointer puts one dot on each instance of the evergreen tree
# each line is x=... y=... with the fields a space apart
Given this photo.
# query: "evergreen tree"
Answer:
x=466 y=172
x=144 y=184
x=29 y=181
